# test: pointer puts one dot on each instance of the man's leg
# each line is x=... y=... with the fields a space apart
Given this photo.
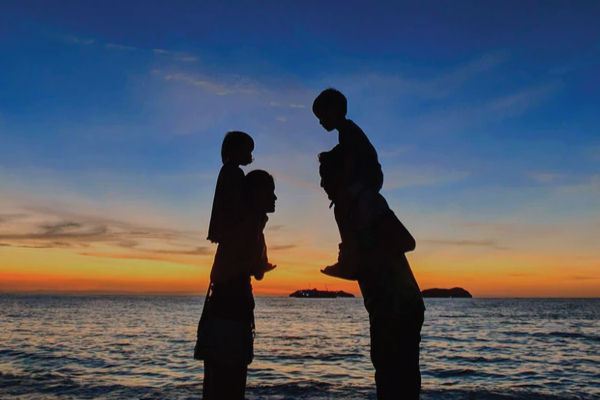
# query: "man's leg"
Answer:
x=395 y=355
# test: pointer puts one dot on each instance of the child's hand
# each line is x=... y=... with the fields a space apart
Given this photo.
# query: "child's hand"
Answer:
x=268 y=267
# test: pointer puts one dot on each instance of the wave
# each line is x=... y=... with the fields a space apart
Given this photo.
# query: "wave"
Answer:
x=51 y=386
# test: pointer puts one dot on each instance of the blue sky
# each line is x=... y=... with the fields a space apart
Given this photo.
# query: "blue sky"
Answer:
x=482 y=112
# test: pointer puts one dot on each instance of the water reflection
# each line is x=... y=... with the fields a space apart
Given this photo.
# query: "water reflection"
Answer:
x=113 y=347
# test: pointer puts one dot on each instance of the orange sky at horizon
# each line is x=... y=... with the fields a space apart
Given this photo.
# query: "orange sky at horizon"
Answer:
x=26 y=270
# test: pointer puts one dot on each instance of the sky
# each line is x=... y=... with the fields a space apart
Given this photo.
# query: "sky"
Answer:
x=485 y=116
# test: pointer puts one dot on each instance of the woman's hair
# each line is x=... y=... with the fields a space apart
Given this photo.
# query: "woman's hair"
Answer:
x=253 y=181
x=234 y=143
x=331 y=99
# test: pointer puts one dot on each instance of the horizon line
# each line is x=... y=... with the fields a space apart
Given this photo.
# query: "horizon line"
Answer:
x=105 y=293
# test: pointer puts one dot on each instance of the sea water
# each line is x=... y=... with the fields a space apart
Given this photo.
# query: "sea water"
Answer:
x=131 y=347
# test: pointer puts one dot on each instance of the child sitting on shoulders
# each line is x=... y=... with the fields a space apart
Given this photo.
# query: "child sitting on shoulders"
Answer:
x=226 y=327
x=236 y=150
x=361 y=177
x=228 y=209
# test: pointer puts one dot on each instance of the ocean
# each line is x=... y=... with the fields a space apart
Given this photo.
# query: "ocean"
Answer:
x=132 y=347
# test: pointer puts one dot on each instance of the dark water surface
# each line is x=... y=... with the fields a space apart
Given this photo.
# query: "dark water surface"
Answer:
x=121 y=347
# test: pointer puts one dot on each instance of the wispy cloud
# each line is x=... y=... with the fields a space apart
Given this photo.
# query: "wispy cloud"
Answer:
x=492 y=244
x=120 y=47
x=401 y=176
x=389 y=153
x=50 y=228
x=210 y=85
x=186 y=58
x=448 y=83
x=545 y=177
x=78 y=40
x=584 y=278
x=584 y=60
x=282 y=247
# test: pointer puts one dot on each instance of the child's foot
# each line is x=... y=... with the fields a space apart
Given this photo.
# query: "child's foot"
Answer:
x=337 y=271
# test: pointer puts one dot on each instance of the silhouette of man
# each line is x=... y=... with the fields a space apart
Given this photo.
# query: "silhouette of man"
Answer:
x=391 y=294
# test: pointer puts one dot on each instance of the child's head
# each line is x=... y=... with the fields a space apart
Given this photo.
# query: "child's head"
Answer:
x=237 y=148
x=330 y=107
x=258 y=191
x=331 y=171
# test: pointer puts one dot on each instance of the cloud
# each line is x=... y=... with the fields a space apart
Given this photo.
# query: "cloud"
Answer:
x=282 y=247
x=581 y=61
x=46 y=228
x=120 y=47
x=198 y=251
x=391 y=86
x=26 y=247
x=545 y=177
x=61 y=230
x=448 y=83
x=208 y=84
x=394 y=152
x=160 y=51
x=594 y=153
x=77 y=40
x=520 y=101
x=186 y=58
x=469 y=243
x=583 y=278
x=401 y=176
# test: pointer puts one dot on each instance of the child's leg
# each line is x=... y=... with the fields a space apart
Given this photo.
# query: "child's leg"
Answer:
x=364 y=209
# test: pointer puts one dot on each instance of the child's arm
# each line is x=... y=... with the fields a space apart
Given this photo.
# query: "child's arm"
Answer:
x=263 y=265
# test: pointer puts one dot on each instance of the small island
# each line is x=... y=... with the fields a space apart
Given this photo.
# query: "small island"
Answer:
x=447 y=293
x=320 y=294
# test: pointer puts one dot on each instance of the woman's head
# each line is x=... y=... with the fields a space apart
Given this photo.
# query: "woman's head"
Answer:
x=258 y=191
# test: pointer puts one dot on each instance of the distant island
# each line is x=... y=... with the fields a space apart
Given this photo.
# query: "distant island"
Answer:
x=320 y=294
x=454 y=293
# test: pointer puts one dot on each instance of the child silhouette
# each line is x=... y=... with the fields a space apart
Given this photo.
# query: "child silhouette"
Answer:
x=361 y=177
x=236 y=150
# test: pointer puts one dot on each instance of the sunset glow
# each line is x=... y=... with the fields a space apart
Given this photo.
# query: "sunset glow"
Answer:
x=111 y=126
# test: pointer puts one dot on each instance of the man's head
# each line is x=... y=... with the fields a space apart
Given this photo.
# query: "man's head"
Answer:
x=330 y=107
x=237 y=148
x=331 y=171
x=258 y=191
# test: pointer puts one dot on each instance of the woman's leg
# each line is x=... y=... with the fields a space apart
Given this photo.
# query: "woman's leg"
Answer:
x=208 y=384
x=228 y=382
